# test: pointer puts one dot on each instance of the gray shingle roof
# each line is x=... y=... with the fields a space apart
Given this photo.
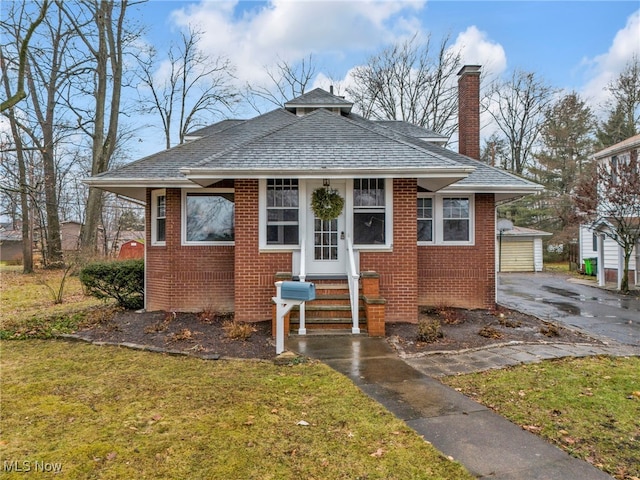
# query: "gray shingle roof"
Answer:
x=215 y=128
x=282 y=143
x=167 y=163
x=406 y=128
x=323 y=140
x=318 y=98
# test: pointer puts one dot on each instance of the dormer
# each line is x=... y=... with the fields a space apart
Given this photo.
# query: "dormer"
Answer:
x=318 y=98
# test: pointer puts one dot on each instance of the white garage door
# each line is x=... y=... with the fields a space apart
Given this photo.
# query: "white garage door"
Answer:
x=517 y=255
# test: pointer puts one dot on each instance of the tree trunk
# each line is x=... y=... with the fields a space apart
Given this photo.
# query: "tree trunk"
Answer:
x=108 y=53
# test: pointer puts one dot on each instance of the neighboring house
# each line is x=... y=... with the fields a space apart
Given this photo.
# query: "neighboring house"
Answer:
x=594 y=244
x=10 y=245
x=70 y=235
x=520 y=250
x=230 y=212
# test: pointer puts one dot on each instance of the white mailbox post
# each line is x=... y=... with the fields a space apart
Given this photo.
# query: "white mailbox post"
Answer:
x=300 y=293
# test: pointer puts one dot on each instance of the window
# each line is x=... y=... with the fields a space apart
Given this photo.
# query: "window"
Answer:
x=614 y=170
x=158 y=217
x=282 y=211
x=369 y=212
x=425 y=219
x=455 y=219
x=445 y=220
x=208 y=216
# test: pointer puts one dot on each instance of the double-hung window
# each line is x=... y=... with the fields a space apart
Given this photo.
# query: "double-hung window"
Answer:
x=456 y=220
x=158 y=217
x=444 y=220
x=369 y=211
x=425 y=219
x=282 y=203
x=208 y=216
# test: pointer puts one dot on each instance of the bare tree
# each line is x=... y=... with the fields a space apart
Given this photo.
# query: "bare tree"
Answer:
x=27 y=241
x=406 y=81
x=46 y=70
x=517 y=107
x=618 y=206
x=196 y=88
x=287 y=80
x=623 y=119
x=20 y=94
x=101 y=27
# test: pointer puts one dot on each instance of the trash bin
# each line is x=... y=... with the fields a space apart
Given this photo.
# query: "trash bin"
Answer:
x=590 y=266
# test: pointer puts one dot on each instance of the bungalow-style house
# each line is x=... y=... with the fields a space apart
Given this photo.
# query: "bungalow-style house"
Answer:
x=596 y=246
x=241 y=205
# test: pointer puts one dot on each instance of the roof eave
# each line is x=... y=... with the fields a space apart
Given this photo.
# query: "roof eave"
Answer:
x=205 y=176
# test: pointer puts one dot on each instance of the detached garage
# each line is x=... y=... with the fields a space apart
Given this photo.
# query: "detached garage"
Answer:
x=520 y=250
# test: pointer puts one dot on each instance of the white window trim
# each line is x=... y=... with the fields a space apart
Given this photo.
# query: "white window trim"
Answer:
x=192 y=243
x=263 y=246
x=154 y=217
x=303 y=211
x=388 y=217
x=438 y=219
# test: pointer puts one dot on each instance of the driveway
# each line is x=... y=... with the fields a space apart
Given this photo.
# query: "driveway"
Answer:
x=561 y=298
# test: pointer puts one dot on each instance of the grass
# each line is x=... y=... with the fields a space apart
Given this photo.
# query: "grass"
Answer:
x=590 y=407
x=28 y=308
x=111 y=413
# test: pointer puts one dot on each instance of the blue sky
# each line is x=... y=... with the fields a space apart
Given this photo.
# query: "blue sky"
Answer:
x=572 y=45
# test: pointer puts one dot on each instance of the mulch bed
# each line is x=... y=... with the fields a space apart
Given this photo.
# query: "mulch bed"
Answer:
x=205 y=335
x=189 y=333
x=469 y=329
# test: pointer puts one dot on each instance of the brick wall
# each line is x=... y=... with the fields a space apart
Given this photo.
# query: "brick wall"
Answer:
x=398 y=269
x=254 y=271
x=186 y=278
x=462 y=276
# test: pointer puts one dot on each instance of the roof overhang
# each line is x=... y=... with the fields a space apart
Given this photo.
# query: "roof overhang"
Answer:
x=431 y=178
x=503 y=193
x=135 y=188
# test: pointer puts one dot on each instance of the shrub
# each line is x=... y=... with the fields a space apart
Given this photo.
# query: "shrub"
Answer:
x=122 y=280
x=429 y=330
x=238 y=330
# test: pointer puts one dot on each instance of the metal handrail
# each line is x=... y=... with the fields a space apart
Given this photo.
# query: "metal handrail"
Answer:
x=303 y=259
x=302 y=328
x=352 y=278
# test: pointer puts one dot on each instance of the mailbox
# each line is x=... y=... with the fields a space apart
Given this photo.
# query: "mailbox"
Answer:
x=304 y=291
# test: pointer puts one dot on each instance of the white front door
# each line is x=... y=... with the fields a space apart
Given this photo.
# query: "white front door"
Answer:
x=326 y=244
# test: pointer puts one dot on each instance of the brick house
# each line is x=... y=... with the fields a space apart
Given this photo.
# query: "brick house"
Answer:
x=229 y=212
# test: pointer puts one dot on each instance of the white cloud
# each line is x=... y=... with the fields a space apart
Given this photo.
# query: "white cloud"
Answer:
x=288 y=30
x=606 y=67
x=476 y=49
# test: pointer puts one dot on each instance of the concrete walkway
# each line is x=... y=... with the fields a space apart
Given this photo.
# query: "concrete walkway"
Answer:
x=488 y=445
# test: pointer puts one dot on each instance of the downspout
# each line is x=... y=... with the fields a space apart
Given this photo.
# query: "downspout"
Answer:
x=601 y=276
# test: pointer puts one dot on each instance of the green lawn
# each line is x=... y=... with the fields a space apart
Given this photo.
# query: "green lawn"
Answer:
x=590 y=407
x=112 y=413
x=28 y=308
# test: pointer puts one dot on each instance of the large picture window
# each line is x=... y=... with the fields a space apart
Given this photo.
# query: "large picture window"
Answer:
x=209 y=216
x=369 y=212
x=158 y=217
x=282 y=203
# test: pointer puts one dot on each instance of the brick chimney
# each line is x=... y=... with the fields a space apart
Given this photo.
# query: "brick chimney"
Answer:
x=469 y=111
